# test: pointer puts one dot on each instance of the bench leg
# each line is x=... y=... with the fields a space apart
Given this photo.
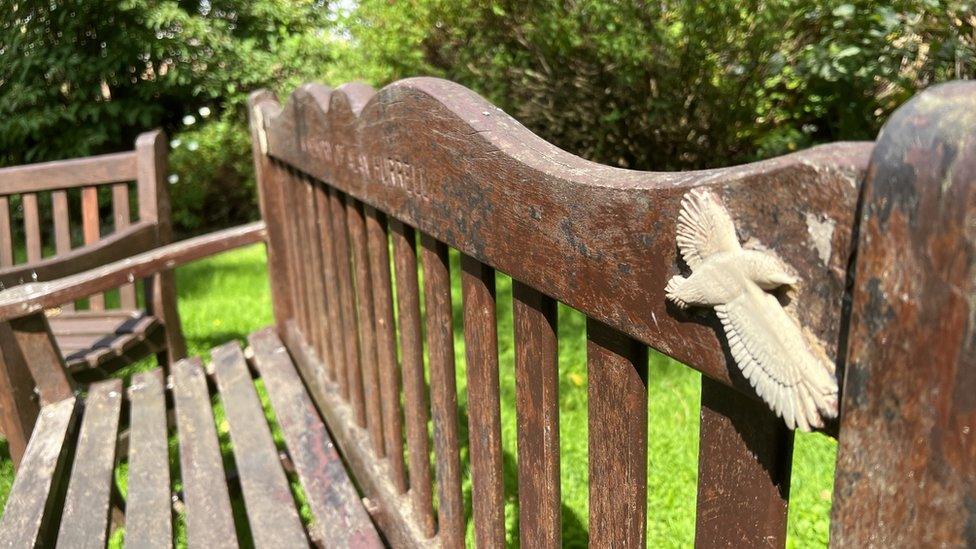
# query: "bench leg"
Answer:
x=18 y=401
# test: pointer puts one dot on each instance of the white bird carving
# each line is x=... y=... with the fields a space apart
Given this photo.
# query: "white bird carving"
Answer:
x=791 y=374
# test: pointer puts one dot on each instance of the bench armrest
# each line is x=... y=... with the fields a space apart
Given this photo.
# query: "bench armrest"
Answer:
x=132 y=240
x=30 y=298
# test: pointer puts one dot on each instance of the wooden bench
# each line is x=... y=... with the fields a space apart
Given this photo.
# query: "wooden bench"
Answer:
x=105 y=336
x=874 y=239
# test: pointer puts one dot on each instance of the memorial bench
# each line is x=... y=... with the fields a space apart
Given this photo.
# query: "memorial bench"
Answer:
x=873 y=241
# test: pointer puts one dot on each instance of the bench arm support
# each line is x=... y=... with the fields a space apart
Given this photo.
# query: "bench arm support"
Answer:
x=30 y=298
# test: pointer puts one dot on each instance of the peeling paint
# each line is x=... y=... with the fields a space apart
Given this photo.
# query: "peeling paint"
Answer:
x=821 y=235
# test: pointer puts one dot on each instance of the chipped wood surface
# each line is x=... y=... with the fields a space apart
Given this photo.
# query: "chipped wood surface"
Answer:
x=906 y=460
x=84 y=519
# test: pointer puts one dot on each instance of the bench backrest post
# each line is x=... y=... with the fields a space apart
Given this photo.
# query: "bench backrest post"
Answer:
x=271 y=203
x=154 y=205
x=906 y=460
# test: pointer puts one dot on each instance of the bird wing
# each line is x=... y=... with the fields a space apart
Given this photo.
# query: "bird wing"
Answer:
x=704 y=228
x=771 y=351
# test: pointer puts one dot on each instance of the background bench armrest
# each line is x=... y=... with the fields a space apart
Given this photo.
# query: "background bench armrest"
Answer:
x=33 y=297
x=127 y=242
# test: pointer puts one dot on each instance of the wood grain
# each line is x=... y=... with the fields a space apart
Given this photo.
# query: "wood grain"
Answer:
x=209 y=519
x=84 y=520
x=537 y=409
x=484 y=404
x=148 y=507
x=6 y=234
x=416 y=408
x=617 y=390
x=64 y=174
x=32 y=227
x=443 y=390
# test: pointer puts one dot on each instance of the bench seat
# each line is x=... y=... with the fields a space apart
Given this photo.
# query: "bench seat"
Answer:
x=105 y=341
x=64 y=491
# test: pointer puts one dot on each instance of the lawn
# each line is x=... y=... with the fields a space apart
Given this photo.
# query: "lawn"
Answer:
x=227 y=297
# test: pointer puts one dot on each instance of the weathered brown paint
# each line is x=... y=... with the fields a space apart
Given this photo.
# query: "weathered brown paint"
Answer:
x=906 y=462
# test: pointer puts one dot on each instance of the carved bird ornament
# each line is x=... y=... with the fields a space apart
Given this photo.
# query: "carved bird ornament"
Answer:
x=790 y=373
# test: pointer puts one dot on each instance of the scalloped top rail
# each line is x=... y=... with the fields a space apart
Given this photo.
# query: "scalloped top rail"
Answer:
x=439 y=157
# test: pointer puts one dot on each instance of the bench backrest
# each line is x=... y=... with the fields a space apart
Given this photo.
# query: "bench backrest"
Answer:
x=350 y=176
x=87 y=187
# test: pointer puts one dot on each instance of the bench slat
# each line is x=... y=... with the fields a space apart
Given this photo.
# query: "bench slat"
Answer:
x=367 y=331
x=353 y=391
x=335 y=367
x=317 y=297
x=86 y=507
x=378 y=238
x=62 y=228
x=90 y=229
x=267 y=496
x=32 y=227
x=297 y=252
x=33 y=505
x=484 y=419
x=209 y=522
x=443 y=389
x=148 y=511
x=744 y=460
x=121 y=214
x=416 y=408
x=340 y=519
x=617 y=418
x=6 y=235
x=537 y=408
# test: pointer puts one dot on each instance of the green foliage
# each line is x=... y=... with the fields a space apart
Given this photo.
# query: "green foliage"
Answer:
x=683 y=84
x=82 y=77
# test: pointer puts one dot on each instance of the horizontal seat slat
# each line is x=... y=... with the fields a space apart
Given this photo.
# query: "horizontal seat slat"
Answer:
x=148 y=512
x=340 y=520
x=267 y=496
x=84 y=522
x=209 y=520
x=32 y=505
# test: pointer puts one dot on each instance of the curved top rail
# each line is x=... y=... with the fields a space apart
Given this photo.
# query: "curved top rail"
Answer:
x=437 y=156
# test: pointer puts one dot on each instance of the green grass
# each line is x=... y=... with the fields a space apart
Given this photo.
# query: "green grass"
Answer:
x=227 y=297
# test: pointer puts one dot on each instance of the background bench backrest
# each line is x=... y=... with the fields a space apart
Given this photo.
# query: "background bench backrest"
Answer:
x=120 y=199
x=350 y=176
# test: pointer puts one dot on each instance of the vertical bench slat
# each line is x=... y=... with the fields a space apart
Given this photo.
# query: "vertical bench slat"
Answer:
x=148 y=509
x=62 y=229
x=339 y=517
x=617 y=371
x=744 y=462
x=122 y=216
x=270 y=509
x=379 y=264
x=412 y=362
x=443 y=389
x=297 y=252
x=32 y=227
x=33 y=506
x=90 y=230
x=318 y=323
x=367 y=331
x=324 y=324
x=6 y=235
x=291 y=249
x=347 y=301
x=331 y=284
x=537 y=408
x=209 y=521
x=484 y=419
x=84 y=522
